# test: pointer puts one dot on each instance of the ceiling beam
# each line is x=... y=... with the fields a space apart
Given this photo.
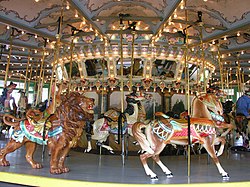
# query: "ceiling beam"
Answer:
x=129 y=32
x=79 y=33
x=22 y=54
x=128 y=18
x=111 y=4
x=78 y=6
x=177 y=34
x=45 y=25
x=196 y=24
x=220 y=34
x=238 y=48
x=245 y=57
x=168 y=12
x=29 y=29
x=22 y=44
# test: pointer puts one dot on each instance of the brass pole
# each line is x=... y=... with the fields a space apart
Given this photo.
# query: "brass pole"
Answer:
x=9 y=56
x=243 y=78
x=227 y=83
x=31 y=69
x=203 y=62
x=122 y=91
x=231 y=79
x=71 y=62
x=187 y=94
x=239 y=76
x=221 y=68
x=56 y=57
x=40 y=78
x=42 y=83
x=132 y=59
x=26 y=74
x=35 y=85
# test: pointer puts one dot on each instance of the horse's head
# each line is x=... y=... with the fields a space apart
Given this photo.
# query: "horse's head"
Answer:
x=212 y=103
x=11 y=87
x=228 y=106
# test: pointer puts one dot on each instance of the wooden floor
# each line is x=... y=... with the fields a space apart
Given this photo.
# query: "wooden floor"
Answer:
x=109 y=168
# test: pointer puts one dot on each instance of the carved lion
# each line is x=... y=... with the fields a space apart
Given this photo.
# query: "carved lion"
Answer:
x=60 y=131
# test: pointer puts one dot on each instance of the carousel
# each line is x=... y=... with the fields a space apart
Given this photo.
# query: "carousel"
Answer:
x=90 y=90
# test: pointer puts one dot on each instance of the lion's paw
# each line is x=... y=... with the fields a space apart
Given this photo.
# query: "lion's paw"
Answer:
x=4 y=163
x=37 y=166
x=65 y=170
x=55 y=171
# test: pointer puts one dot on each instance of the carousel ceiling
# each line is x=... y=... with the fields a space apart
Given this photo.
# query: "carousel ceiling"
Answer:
x=157 y=35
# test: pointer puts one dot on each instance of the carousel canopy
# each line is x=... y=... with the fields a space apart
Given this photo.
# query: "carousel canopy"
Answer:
x=82 y=40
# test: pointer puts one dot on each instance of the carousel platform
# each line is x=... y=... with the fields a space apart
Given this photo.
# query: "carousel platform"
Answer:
x=87 y=169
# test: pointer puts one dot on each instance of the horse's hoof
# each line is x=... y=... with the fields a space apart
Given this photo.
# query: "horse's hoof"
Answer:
x=225 y=177
x=112 y=152
x=87 y=150
x=99 y=144
x=154 y=178
x=169 y=175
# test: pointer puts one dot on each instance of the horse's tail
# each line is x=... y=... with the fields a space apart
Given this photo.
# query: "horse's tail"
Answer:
x=11 y=123
x=140 y=137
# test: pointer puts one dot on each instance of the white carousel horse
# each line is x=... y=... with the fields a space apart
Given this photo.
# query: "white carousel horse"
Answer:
x=167 y=130
x=108 y=124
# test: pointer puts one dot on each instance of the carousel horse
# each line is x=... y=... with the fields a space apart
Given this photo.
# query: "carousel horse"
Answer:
x=166 y=130
x=207 y=105
x=5 y=101
x=108 y=123
x=22 y=105
x=58 y=128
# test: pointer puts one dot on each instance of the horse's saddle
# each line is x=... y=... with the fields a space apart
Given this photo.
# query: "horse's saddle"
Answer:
x=112 y=115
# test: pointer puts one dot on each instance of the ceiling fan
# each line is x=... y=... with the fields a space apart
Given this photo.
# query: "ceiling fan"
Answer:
x=130 y=26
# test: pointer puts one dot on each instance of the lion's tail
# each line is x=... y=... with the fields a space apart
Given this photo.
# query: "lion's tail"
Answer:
x=14 y=123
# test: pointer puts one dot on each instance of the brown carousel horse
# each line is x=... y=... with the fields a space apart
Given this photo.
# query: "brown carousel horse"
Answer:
x=166 y=130
x=60 y=130
x=209 y=102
